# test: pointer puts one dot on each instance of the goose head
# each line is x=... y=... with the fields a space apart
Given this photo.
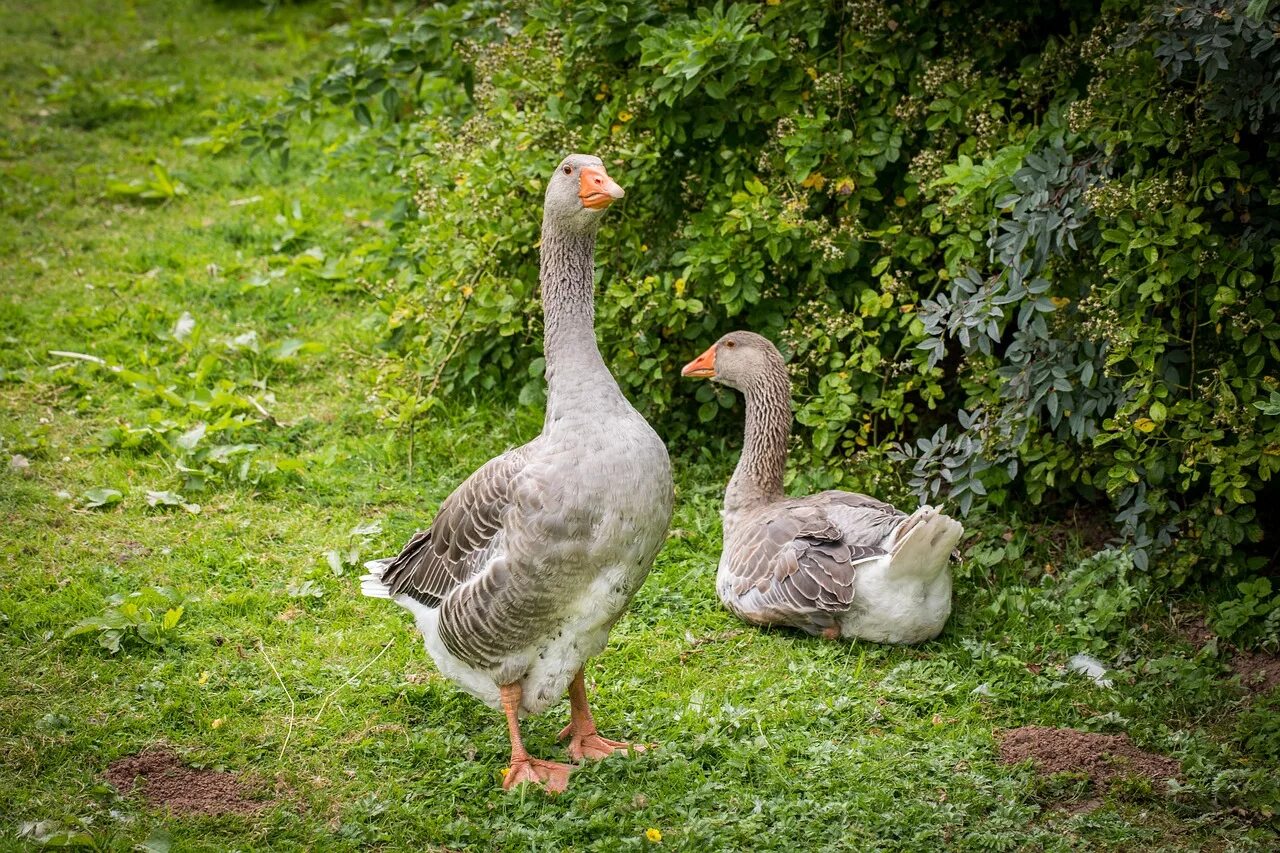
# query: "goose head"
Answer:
x=578 y=194
x=741 y=360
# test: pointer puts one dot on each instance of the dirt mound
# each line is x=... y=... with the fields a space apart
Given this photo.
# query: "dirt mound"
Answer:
x=167 y=782
x=1259 y=672
x=1102 y=758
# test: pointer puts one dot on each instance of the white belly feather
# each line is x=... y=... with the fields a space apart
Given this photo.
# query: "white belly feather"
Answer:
x=550 y=664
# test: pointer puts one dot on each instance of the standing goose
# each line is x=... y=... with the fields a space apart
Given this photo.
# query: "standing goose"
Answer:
x=531 y=560
x=836 y=563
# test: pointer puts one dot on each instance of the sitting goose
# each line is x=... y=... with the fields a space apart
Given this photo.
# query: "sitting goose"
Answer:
x=836 y=563
x=532 y=559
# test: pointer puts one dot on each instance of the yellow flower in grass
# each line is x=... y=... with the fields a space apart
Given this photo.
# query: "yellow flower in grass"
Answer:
x=653 y=834
x=204 y=678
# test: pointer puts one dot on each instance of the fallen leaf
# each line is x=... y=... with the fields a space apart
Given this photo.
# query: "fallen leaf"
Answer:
x=101 y=497
x=164 y=499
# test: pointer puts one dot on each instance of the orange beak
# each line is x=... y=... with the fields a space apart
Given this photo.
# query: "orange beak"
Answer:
x=596 y=189
x=703 y=366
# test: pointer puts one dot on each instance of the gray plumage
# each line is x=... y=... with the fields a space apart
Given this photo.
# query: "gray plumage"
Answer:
x=532 y=559
x=836 y=563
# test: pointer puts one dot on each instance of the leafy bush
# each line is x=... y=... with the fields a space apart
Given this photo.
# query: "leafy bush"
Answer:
x=1039 y=237
x=1098 y=597
x=1138 y=244
x=1256 y=608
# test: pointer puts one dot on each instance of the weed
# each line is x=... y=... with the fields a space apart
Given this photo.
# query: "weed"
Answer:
x=159 y=187
x=151 y=615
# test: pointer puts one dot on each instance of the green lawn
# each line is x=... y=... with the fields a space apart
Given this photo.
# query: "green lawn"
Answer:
x=324 y=702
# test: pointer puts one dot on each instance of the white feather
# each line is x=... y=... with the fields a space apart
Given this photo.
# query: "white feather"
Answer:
x=905 y=597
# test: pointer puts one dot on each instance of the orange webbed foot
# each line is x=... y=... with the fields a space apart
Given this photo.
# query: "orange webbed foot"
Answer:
x=551 y=776
x=594 y=747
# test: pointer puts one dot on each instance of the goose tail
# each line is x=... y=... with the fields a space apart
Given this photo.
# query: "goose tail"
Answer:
x=371 y=584
x=923 y=543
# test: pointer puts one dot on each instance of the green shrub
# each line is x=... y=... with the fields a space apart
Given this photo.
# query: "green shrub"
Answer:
x=1027 y=252
x=1126 y=310
x=1098 y=597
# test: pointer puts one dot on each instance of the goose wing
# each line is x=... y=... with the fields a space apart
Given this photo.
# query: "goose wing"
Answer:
x=463 y=535
x=862 y=520
x=796 y=559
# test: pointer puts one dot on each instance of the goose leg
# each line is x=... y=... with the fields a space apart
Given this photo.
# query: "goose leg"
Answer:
x=549 y=775
x=586 y=742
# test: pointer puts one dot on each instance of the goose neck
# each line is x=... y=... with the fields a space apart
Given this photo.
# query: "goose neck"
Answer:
x=574 y=366
x=758 y=477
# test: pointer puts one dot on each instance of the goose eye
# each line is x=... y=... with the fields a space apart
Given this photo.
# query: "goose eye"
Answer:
x=568 y=170
x=731 y=344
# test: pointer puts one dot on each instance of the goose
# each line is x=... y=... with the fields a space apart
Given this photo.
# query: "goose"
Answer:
x=530 y=562
x=836 y=564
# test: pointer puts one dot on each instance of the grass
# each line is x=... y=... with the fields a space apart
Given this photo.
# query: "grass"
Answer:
x=279 y=670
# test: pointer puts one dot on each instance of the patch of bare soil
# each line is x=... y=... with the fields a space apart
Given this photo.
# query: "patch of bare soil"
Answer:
x=1079 y=806
x=1090 y=527
x=166 y=782
x=1259 y=671
x=1195 y=631
x=1096 y=528
x=1103 y=758
x=129 y=551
